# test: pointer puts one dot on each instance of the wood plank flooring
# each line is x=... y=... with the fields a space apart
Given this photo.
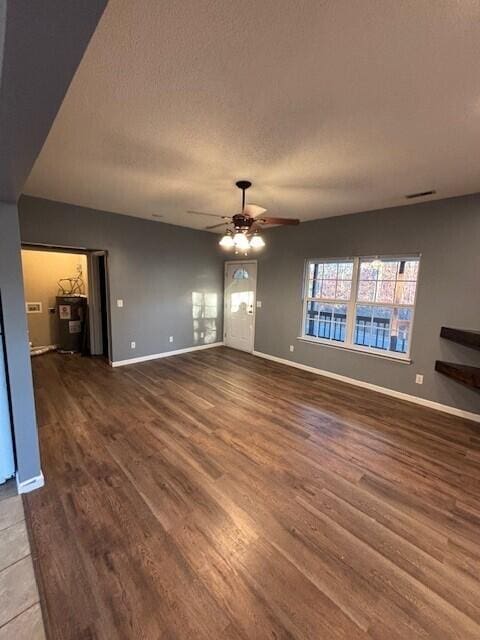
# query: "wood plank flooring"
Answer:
x=216 y=495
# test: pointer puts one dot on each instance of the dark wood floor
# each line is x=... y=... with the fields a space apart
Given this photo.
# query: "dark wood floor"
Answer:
x=216 y=495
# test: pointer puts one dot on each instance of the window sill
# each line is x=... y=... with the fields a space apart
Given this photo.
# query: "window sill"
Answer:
x=383 y=356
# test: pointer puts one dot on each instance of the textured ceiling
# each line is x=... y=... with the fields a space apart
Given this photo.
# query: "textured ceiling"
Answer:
x=329 y=107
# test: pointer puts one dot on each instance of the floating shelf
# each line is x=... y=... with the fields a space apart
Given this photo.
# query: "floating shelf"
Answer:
x=461 y=336
x=467 y=375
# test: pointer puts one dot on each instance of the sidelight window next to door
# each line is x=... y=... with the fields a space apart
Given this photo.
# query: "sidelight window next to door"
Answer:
x=363 y=303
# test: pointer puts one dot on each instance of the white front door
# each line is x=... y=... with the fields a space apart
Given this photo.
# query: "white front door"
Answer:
x=240 y=293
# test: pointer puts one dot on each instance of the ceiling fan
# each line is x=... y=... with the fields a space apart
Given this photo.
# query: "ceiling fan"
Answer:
x=246 y=225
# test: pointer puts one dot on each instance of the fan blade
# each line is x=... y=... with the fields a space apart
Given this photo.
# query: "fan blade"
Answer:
x=253 y=210
x=278 y=220
x=221 y=224
x=211 y=215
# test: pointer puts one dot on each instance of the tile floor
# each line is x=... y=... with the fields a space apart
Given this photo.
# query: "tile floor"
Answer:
x=20 y=614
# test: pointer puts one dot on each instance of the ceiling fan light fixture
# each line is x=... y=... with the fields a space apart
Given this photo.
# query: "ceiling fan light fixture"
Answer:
x=257 y=242
x=227 y=241
x=243 y=234
x=241 y=241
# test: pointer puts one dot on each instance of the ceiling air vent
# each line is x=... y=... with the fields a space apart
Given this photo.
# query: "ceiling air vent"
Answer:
x=422 y=194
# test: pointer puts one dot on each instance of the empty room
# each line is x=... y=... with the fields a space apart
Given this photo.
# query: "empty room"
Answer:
x=239 y=320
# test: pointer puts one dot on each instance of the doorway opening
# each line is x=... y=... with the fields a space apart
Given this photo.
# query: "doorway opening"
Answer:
x=240 y=304
x=66 y=300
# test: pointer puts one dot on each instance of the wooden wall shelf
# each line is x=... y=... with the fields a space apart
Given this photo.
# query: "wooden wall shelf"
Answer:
x=467 y=375
x=462 y=336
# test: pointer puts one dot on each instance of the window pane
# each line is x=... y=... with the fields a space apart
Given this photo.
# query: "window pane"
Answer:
x=385 y=291
x=388 y=270
x=372 y=327
x=368 y=271
x=384 y=272
x=330 y=280
x=366 y=291
x=326 y=321
x=345 y=270
x=240 y=274
x=316 y=270
x=328 y=289
x=315 y=273
x=406 y=292
x=241 y=302
x=401 y=330
x=385 y=328
x=344 y=290
x=311 y=320
x=411 y=270
x=330 y=270
x=317 y=289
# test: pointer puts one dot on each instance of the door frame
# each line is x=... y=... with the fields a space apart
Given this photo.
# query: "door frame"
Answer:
x=226 y=265
x=94 y=302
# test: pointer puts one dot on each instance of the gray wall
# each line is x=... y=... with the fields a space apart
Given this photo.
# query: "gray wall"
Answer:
x=154 y=268
x=3 y=25
x=445 y=232
x=17 y=350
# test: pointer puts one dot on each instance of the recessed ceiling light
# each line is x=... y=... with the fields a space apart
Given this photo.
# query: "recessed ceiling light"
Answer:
x=421 y=194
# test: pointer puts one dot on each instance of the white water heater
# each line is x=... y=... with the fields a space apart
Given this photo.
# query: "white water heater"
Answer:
x=7 y=463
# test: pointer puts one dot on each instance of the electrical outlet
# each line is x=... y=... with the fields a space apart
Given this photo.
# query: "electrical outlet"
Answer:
x=292 y=348
x=133 y=345
x=170 y=339
x=259 y=304
x=419 y=378
x=120 y=303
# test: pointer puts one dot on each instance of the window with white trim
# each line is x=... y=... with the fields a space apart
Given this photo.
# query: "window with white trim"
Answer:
x=365 y=304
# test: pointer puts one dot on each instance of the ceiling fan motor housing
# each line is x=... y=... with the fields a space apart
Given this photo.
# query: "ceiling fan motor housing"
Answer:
x=241 y=222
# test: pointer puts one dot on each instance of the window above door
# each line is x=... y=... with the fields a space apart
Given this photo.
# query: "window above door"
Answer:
x=240 y=274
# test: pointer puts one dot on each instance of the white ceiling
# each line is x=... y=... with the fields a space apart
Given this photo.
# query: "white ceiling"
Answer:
x=329 y=107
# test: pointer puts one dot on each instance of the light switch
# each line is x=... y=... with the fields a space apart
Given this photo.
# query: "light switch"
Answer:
x=259 y=304
x=119 y=303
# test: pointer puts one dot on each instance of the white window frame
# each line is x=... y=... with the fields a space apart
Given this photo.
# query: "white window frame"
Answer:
x=349 y=345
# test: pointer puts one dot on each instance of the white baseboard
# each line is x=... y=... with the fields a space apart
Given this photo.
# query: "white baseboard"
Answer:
x=31 y=484
x=164 y=354
x=374 y=387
